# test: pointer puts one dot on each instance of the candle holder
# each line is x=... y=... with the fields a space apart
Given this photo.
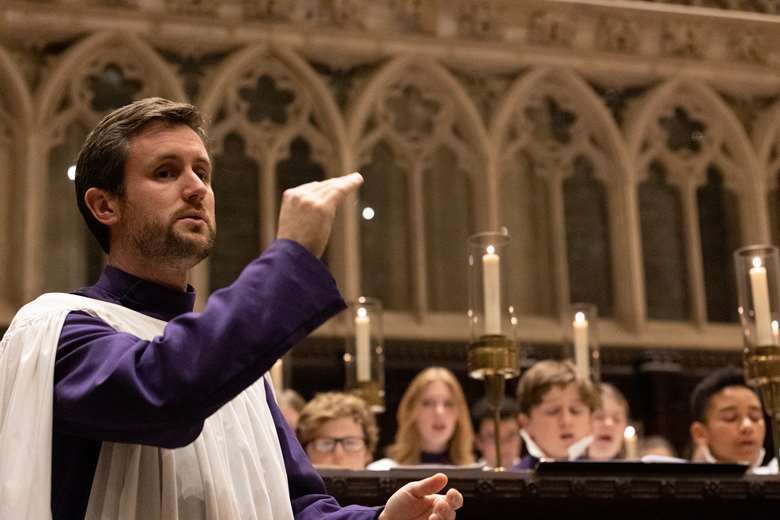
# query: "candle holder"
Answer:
x=581 y=325
x=364 y=357
x=492 y=352
x=758 y=273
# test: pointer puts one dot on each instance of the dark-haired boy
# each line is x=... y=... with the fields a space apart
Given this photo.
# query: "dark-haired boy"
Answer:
x=728 y=423
x=483 y=418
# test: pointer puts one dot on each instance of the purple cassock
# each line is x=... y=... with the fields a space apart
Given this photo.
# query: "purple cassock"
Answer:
x=113 y=386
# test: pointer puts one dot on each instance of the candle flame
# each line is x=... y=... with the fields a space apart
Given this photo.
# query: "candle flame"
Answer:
x=490 y=249
x=579 y=317
x=362 y=312
x=775 y=326
x=756 y=261
x=629 y=432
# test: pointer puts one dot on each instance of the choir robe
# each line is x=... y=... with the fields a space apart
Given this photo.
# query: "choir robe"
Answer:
x=111 y=386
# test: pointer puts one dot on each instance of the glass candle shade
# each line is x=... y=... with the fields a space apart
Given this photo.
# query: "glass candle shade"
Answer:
x=581 y=322
x=757 y=269
x=490 y=313
x=364 y=352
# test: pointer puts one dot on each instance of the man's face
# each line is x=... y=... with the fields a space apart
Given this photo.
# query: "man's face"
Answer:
x=560 y=420
x=339 y=443
x=510 y=441
x=734 y=427
x=167 y=209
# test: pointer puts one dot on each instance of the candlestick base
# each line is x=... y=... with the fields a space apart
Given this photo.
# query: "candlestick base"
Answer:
x=762 y=370
x=494 y=359
x=372 y=393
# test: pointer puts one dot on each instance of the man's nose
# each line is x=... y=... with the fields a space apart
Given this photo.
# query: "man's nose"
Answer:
x=195 y=188
x=746 y=424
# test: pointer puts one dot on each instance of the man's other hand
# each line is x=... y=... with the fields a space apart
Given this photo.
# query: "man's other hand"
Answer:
x=308 y=210
x=417 y=501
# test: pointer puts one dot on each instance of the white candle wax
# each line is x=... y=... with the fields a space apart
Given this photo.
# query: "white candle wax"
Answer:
x=581 y=354
x=491 y=286
x=277 y=376
x=362 y=345
x=760 y=290
x=630 y=443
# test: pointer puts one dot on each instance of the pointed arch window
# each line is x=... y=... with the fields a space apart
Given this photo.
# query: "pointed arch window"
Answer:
x=558 y=197
x=270 y=137
x=108 y=81
x=692 y=177
x=419 y=183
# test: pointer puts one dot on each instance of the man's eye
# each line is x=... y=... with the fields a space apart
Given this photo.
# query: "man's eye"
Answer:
x=163 y=174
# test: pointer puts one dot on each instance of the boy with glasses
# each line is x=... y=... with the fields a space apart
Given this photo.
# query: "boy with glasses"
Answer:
x=338 y=430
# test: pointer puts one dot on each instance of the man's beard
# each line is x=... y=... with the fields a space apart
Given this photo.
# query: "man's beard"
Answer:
x=161 y=243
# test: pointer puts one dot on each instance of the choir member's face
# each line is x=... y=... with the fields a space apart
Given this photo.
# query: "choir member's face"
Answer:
x=734 y=428
x=609 y=423
x=435 y=417
x=560 y=420
x=167 y=209
x=510 y=441
x=339 y=443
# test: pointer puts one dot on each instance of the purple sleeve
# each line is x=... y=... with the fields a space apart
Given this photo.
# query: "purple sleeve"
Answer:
x=114 y=386
x=307 y=490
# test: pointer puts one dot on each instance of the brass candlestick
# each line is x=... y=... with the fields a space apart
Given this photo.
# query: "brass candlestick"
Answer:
x=758 y=273
x=494 y=359
x=492 y=354
x=762 y=370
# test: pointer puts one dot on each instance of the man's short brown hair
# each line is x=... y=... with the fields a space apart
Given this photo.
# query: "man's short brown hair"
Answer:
x=544 y=375
x=335 y=405
x=102 y=159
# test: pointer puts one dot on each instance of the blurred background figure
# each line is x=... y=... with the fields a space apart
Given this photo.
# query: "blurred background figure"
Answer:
x=728 y=421
x=433 y=423
x=485 y=424
x=291 y=403
x=555 y=412
x=656 y=445
x=338 y=430
x=609 y=422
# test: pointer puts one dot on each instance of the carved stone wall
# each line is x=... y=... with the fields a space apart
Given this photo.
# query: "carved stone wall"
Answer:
x=629 y=147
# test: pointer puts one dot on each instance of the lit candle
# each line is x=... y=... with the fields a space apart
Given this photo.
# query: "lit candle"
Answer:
x=581 y=357
x=630 y=443
x=760 y=290
x=362 y=344
x=277 y=376
x=491 y=285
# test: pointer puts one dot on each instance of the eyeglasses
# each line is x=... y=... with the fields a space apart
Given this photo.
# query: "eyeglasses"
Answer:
x=328 y=444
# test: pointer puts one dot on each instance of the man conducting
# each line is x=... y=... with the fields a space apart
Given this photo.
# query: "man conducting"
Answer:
x=119 y=402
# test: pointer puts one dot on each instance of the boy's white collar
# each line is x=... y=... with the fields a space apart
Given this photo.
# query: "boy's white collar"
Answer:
x=575 y=450
x=709 y=457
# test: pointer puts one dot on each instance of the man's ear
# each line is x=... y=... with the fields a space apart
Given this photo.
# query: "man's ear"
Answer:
x=104 y=206
x=699 y=432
